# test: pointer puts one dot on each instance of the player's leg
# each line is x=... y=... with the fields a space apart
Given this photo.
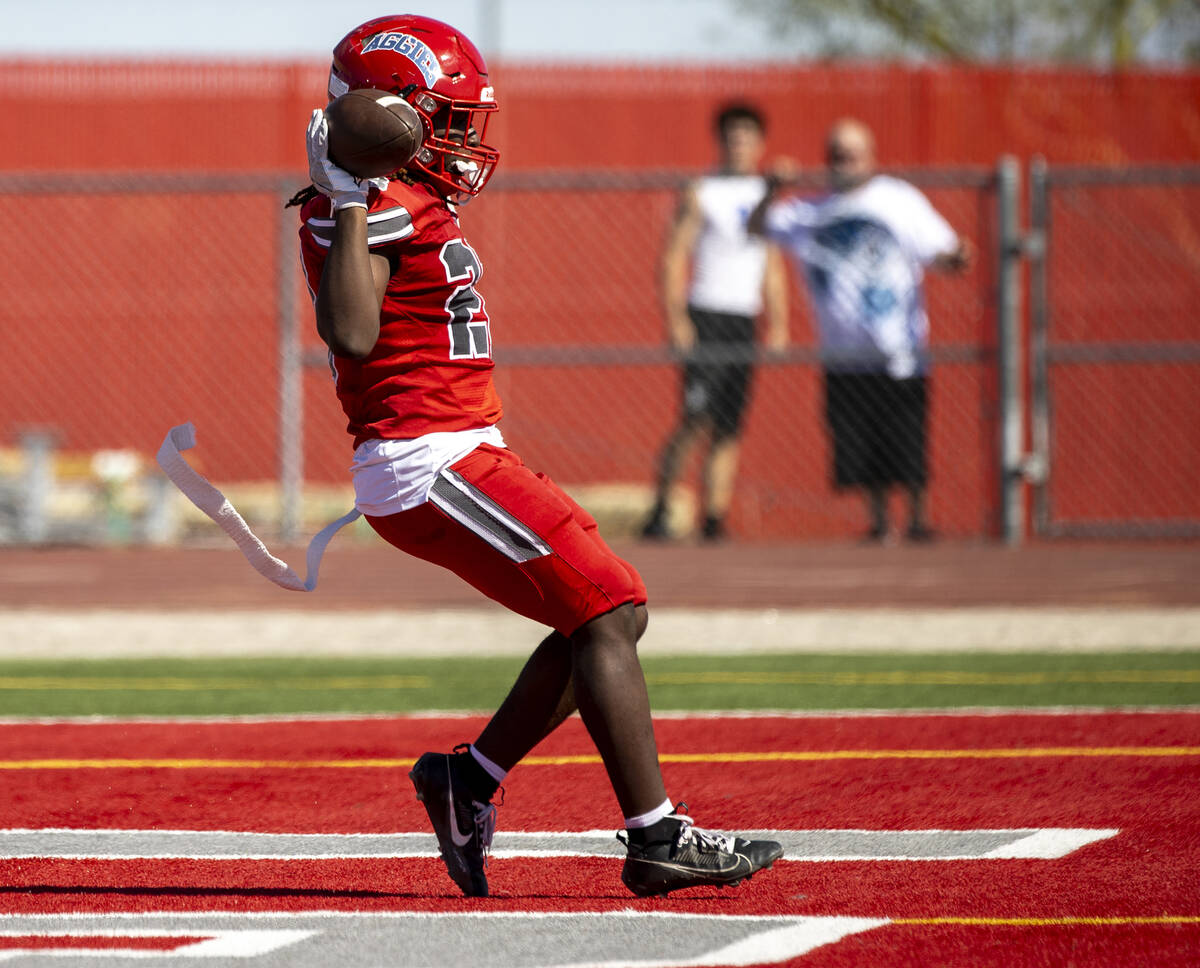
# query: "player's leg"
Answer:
x=543 y=557
x=531 y=711
x=540 y=699
x=544 y=694
x=521 y=541
x=610 y=691
x=665 y=852
x=572 y=578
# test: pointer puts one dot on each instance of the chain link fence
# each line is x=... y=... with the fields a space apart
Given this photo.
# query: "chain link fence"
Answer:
x=1115 y=333
x=592 y=392
x=134 y=303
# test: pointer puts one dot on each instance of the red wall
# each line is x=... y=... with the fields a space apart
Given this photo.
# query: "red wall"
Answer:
x=237 y=116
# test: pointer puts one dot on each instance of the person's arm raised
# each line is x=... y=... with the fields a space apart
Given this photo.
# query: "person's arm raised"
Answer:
x=354 y=279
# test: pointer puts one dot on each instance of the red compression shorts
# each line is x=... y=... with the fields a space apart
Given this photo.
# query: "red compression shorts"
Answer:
x=518 y=538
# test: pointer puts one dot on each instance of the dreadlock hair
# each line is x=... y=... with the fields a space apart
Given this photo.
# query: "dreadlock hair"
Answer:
x=303 y=196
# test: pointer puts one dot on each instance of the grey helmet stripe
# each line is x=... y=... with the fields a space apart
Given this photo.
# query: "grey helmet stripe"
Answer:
x=477 y=512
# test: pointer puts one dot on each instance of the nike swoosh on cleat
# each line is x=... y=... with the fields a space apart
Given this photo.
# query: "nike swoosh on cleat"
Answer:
x=460 y=839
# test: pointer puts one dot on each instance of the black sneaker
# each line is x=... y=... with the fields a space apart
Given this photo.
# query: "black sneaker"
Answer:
x=692 y=857
x=463 y=825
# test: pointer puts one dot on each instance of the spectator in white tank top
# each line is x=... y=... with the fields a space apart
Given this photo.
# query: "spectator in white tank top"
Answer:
x=716 y=282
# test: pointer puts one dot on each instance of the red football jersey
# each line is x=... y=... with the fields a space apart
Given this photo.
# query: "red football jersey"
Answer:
x=431 y=368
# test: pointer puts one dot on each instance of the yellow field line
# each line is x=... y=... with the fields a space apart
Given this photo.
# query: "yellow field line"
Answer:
x=591 y=759
x=1050 y=922
x=179 y=684
x=1035 y=752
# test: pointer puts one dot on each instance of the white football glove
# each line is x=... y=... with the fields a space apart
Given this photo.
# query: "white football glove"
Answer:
x=343 y=189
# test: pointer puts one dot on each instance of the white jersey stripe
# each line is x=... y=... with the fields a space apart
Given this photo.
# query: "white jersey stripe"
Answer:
x=389 y=225
x=475 y=511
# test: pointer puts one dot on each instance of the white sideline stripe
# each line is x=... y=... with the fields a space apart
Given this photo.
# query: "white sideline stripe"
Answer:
x=1049 y=844
x=337 y=914
x=809 y=846
x=768 y=947
x=225 y=943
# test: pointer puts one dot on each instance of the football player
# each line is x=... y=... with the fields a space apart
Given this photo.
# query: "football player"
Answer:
x=396 y=289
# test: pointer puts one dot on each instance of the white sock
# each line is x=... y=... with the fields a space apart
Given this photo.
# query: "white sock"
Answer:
x=651 y=817
x=493 y=770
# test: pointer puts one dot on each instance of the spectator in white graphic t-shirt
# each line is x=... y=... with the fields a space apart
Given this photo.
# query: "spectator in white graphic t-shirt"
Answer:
x=716 y=282
x=863 y=249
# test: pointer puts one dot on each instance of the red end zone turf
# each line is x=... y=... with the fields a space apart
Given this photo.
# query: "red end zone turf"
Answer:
x=1129 y=899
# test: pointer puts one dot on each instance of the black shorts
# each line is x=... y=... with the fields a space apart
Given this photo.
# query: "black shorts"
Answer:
x=716 y=382
x=878 y=428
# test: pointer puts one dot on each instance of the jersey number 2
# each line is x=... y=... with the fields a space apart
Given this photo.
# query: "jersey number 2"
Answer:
x=469 y=335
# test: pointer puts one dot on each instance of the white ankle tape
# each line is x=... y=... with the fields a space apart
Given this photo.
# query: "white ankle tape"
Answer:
x=651 y=817
x=213 y=503
x=494 y=770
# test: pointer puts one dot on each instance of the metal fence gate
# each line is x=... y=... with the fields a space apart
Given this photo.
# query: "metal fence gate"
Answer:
x=1115 y=351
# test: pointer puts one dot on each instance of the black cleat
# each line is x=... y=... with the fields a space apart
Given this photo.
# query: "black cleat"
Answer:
x=463 y=825
x=692 y=857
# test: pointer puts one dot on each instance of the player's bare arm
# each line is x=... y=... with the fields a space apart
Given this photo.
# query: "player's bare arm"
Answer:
x=354 y=280
x=676 y=255
x=352 y=288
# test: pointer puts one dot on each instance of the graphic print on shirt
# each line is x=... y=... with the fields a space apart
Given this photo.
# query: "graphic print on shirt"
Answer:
x=858 y=269
x=470 y=338
x=869 y=257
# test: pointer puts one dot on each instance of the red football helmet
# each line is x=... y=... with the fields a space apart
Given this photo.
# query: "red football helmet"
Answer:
x=440 y=73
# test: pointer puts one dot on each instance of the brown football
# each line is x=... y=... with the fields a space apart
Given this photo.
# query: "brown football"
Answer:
x=372 y=133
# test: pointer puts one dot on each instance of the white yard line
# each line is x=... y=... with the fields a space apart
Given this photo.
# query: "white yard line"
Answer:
x=813 y=846
x=568 y=939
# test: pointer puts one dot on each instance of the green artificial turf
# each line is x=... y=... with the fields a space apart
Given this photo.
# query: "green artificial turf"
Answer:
x=196 y=687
